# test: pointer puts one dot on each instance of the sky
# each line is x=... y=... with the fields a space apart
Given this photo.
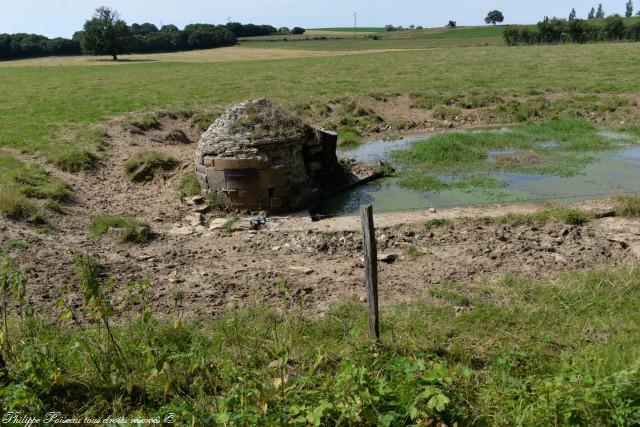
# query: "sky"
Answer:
x=61 y=18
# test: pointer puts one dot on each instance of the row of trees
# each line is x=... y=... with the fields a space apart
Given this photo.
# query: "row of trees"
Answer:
x=107 y=34
x=15 y=46
x=573 y=31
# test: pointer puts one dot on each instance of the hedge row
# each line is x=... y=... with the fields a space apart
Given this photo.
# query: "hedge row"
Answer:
x=614 y=28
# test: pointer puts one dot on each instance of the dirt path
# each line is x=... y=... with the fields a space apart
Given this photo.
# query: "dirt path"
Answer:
x=291 y=260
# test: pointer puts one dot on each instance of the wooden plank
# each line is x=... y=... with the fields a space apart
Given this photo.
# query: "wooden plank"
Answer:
x=371 y=268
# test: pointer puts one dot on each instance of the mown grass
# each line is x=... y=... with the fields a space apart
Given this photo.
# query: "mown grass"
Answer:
x=144 y=165
x=41 y=124
x=510 y=352
x=124 y=229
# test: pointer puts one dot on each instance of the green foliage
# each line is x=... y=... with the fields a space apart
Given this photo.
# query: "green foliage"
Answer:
x=105 y=34
x=572 y=31
x=216 y=202
x=230 y=224
x=494 y=17
x=435 y=223
x=125 y=229
x=144 y=165
x=189 y=185
x=444 y=359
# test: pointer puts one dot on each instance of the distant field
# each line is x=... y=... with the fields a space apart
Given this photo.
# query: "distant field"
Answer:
x=408 y=39
x=44 y=103
x=351 y=29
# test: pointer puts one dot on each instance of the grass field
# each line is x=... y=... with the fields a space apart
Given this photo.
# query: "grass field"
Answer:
x=547 y=351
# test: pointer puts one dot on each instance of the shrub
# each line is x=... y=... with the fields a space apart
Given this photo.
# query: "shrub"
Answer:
x=298 y=31
x=144 y=165
x=125 y=229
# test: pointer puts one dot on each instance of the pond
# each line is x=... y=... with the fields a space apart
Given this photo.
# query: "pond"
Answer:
x=611 y=171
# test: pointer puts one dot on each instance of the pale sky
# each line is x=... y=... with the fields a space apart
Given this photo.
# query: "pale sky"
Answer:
x=62 y=18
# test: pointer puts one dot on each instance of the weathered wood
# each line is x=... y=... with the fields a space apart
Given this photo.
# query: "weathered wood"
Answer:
x=371 y=268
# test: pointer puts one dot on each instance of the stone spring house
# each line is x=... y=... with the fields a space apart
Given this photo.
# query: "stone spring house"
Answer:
x=257 y=156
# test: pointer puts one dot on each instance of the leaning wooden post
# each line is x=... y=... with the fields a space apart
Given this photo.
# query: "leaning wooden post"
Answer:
x=371 y=268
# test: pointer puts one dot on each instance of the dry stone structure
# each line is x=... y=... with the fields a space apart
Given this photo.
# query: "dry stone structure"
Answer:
x=258 y=156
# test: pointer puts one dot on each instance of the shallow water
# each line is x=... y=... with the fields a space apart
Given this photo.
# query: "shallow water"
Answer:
x=613 y=171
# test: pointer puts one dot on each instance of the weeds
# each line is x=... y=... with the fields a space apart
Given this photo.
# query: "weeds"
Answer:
x=144 y=165
x=230 y=224
x=189 y=185
x=628 y=206
x=435 y=364
x=125 y=229
x=435 y=223
x=216 y=202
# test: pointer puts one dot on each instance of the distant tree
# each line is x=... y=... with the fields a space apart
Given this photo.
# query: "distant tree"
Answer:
x=298 y=30
x=629 y=12
x=494 y=17
x=600 y=13
x=105 y=34
x=452 y=24
x=284 y=30
x=169 y=28
x=592 y=13
x=419 y=27
x=572 y=15
x=142 y=29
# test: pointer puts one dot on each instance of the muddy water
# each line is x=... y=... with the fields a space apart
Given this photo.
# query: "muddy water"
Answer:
x=613 y=171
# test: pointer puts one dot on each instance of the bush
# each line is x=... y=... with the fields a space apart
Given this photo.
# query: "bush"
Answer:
x=125 y=229
x=298 y=31
x=144 y=165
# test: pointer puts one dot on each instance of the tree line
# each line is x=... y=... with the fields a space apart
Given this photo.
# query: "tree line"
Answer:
x=107 y=34
x=613 y=28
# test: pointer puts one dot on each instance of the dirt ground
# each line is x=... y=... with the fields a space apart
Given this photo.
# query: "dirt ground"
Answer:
x=291 y=259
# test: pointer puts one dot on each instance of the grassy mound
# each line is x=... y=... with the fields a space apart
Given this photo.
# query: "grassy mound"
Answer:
x=144 y=165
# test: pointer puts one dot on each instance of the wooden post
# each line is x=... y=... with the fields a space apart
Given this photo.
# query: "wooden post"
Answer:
x=371 y=268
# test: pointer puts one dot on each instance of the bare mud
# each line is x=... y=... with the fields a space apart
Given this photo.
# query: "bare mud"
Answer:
x=291 y=260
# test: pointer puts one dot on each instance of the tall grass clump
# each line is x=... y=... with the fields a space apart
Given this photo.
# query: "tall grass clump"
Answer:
x=189 y=185
x=628 y=206
x=144 y=165
x=125 y=229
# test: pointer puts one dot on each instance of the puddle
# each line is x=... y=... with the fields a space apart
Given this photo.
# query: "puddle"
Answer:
x=611 y=171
